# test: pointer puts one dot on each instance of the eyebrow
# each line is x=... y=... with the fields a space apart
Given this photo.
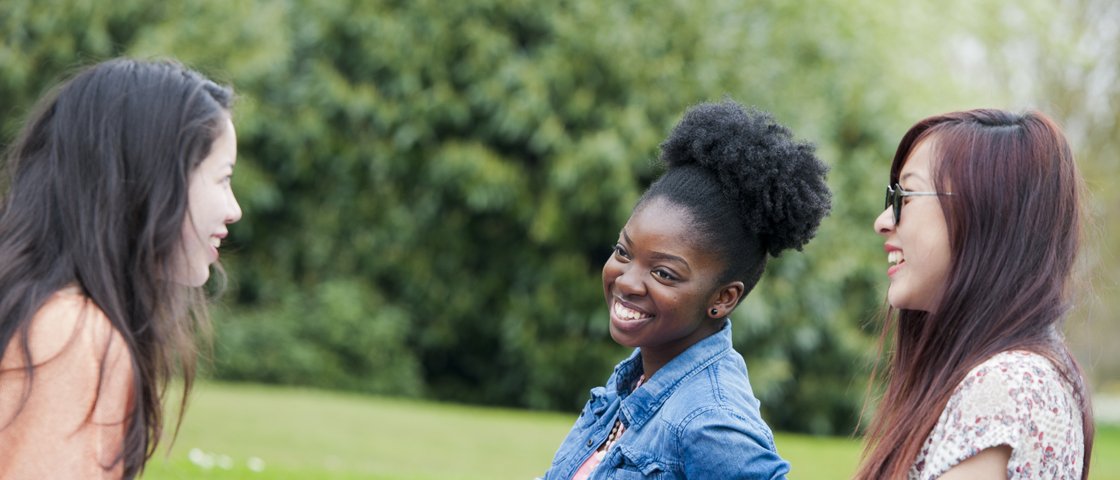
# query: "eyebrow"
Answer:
x=915 y=175
x=660 y=255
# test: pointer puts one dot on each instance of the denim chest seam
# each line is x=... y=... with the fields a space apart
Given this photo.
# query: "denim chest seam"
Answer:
x=709 y=366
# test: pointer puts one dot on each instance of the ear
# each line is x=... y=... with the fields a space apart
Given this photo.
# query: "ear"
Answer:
x=726 y=299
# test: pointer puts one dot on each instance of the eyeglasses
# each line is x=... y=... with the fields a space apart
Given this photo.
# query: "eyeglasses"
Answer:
x=894 y=199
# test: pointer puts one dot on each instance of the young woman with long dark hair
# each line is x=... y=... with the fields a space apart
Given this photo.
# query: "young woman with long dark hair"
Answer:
x=982 y=228
x=117 y=199
x=738 y=189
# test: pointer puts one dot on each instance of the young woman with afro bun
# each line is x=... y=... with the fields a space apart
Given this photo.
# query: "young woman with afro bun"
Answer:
x=738 y=189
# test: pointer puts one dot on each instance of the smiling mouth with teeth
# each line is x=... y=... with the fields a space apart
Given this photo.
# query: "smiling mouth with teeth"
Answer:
x=894 y=257
x=624 y=313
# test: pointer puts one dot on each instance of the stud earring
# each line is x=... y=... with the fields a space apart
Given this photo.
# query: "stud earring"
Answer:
x=715 y=312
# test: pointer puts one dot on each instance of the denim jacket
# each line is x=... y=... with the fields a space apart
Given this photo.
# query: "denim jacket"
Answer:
x=695 y=418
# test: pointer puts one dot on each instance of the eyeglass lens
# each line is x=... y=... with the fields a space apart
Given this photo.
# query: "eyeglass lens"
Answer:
x=894 y=200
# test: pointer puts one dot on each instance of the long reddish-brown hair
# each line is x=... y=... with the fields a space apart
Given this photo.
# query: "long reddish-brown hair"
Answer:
x=1014 y=223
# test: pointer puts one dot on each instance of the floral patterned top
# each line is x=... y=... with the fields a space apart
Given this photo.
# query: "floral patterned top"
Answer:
x=1015 y=398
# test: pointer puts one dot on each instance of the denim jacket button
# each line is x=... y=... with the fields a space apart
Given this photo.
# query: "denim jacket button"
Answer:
x=589 y=442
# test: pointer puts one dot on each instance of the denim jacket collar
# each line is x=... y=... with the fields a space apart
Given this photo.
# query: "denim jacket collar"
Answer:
x=640 y=405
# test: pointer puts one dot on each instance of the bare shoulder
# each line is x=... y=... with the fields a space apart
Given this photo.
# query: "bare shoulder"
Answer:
x=78 y=401
x=71 y=342
x=80 y=360
x=70 y=327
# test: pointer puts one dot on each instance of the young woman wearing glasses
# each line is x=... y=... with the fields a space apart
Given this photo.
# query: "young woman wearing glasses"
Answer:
x=737 y=189
x=981 y=228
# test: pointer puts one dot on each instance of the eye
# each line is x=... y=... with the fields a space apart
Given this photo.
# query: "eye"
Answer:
x=620 y=252
x=664 y=274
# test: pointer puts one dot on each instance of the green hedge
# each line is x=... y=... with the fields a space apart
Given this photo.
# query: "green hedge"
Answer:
x=430 y=188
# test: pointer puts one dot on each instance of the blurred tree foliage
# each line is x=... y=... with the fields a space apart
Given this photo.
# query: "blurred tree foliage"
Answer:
x=430 y=188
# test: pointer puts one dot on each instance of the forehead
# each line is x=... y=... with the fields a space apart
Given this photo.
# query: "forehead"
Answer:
x=662 y=226
x=660 y=219
x=223 y=149
x=920 y=161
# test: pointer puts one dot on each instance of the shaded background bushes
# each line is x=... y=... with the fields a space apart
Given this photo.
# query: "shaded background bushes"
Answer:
x=430 y=188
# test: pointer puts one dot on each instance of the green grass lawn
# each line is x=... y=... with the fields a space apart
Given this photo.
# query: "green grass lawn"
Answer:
x=310 y=434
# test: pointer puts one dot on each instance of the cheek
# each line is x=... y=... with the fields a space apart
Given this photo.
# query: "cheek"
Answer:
x=692 y=304
x=929 y=262
x=187 y=265
x=196 y=199
x=190 y=238
x=938 y=255
x=611 y=270
x=940 y=262
x=206 y=205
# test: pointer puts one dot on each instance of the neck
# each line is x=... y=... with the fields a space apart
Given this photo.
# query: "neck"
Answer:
x=656 y=356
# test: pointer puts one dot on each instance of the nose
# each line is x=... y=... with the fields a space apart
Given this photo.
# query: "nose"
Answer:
x=630 y=281
x=884 y=223
x=234 y=213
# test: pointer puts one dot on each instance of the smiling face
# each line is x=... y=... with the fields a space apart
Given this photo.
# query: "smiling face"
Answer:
x=660 y=288
x=211 y=206
x=918 y=247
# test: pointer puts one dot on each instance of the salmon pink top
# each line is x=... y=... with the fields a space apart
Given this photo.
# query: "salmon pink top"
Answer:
x=72 y=423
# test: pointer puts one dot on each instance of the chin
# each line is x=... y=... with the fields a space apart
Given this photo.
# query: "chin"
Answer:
x=621 y=339
x=901 y=302
x=193 y=282
x=201 y=279
x=898 y=300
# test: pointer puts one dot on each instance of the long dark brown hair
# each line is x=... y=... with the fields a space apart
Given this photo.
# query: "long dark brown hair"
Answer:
x=96 y=195
x=1014 y=225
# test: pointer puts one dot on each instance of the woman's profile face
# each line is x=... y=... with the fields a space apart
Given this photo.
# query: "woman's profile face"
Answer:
x=658 y=284
x=211 y=207
x=918 y=247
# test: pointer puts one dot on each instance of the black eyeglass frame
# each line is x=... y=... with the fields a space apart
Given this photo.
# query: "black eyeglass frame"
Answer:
x=895 y=195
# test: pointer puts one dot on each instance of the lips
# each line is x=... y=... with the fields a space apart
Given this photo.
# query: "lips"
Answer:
x=215 y=244
x=627 y=319
x=894 y=258
x=217 y=238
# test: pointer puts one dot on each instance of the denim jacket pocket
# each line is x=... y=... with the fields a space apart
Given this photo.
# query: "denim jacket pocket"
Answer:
x=633 y=464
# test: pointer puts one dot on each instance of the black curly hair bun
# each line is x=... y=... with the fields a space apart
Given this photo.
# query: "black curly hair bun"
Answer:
x=776 y=183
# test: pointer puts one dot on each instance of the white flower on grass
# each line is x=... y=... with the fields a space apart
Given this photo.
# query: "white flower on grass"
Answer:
x=202 y=459
x=256 y=464
x=225 y=462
